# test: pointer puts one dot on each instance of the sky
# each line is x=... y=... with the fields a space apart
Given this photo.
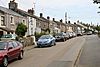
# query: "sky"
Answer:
x=83 y=10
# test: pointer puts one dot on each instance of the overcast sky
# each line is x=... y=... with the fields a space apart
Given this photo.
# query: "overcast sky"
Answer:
x=83 y=10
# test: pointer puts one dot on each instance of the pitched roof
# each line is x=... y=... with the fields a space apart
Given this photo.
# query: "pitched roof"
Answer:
x=60 y=23
x=6 y=10
x=24 y=13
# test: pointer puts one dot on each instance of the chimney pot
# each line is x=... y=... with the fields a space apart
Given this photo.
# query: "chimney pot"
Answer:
x=31 y=11
x=48 y=17
x=41 y=15
x=53 y=19
x=61 y=20
x=69 y=22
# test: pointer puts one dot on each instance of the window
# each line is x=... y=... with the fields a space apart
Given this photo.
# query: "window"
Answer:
x=31 y=21
x=31 y=31
x=12 y=20
x=15 y=44
x=24 y=22
x=3 y=21
x=10 y=45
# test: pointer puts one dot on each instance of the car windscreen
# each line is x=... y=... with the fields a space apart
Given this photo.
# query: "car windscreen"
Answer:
x=45 y=37
x=2 y=45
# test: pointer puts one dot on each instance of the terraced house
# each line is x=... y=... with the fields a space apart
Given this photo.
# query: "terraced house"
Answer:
x=29 y=19
x=8 y=20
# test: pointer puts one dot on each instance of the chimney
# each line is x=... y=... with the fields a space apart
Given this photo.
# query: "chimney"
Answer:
x=69 y=22
x=13 y=5
x=31 y=11
x=48 y=17
x=74 y=22
x=61 y=20
x=53 y=19
x=41 y=15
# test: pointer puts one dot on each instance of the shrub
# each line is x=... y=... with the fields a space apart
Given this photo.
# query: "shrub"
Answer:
x=38 y=35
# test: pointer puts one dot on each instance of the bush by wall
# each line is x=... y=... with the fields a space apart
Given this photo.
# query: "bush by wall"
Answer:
x=38 y=35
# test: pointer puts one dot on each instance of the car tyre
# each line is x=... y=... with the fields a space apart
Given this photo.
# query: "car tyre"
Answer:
x=5 y=62
x=64 y=40
x=54 y=43
x=20 y=55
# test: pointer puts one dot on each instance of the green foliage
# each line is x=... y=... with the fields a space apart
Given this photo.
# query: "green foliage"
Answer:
x=47 y=30
x=97 y=28
x=21 y=30
x=87 y=30
x=38 y=35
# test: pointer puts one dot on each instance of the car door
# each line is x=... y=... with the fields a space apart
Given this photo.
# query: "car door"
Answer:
x=11 y=51
x=16 y=48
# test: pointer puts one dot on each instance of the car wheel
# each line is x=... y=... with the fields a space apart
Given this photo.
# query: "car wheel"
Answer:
x=54 y=43
x=20 y=55
x=5 y=62
x=64 y=40
x=39 y=46
x=50 y=44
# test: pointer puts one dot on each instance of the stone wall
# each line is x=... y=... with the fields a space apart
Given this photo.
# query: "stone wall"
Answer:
x=27 y=41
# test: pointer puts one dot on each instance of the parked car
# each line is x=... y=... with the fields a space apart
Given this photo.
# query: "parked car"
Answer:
x=74 y=34
x=79 y=34
x=68 y=35
x=61 y=36
x=10 y=50
x=46 y=40
x=9 y=37
x=89 y=33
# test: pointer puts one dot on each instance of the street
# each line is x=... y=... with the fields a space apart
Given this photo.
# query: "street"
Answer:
x=45 y=57
x=90 y=56
x=64 y=54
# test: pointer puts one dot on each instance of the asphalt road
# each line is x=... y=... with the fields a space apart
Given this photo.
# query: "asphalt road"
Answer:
x=90 y=56
x=45 y=57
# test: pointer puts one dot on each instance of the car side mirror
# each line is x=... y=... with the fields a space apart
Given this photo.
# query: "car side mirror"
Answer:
x=10 y=48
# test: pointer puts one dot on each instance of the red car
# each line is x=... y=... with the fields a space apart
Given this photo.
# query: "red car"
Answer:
x=10 y=50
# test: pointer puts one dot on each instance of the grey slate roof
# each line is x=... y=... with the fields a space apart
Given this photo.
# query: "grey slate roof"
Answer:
x=6 y=10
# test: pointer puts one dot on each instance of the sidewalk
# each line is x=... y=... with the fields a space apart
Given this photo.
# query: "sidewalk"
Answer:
x=29 y=47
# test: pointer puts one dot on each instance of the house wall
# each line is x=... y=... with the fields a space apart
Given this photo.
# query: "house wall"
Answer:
x=32 y=25
x=8 y=24
x=43 y=25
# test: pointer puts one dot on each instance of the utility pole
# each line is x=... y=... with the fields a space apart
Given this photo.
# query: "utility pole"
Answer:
x=66 y=17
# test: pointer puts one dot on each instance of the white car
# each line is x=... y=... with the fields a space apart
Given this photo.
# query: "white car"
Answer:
x=9 y=37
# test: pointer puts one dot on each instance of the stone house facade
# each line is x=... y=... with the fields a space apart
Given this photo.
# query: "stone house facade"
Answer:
x=8 y=20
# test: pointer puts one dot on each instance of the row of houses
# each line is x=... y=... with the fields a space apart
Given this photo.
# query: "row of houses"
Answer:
x=12 y=16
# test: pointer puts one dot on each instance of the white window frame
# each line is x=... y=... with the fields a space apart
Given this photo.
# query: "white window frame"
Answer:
x=12 y=20
x=2 y=24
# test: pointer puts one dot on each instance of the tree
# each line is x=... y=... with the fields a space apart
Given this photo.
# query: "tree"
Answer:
x=97 y=28
x=21 y=30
